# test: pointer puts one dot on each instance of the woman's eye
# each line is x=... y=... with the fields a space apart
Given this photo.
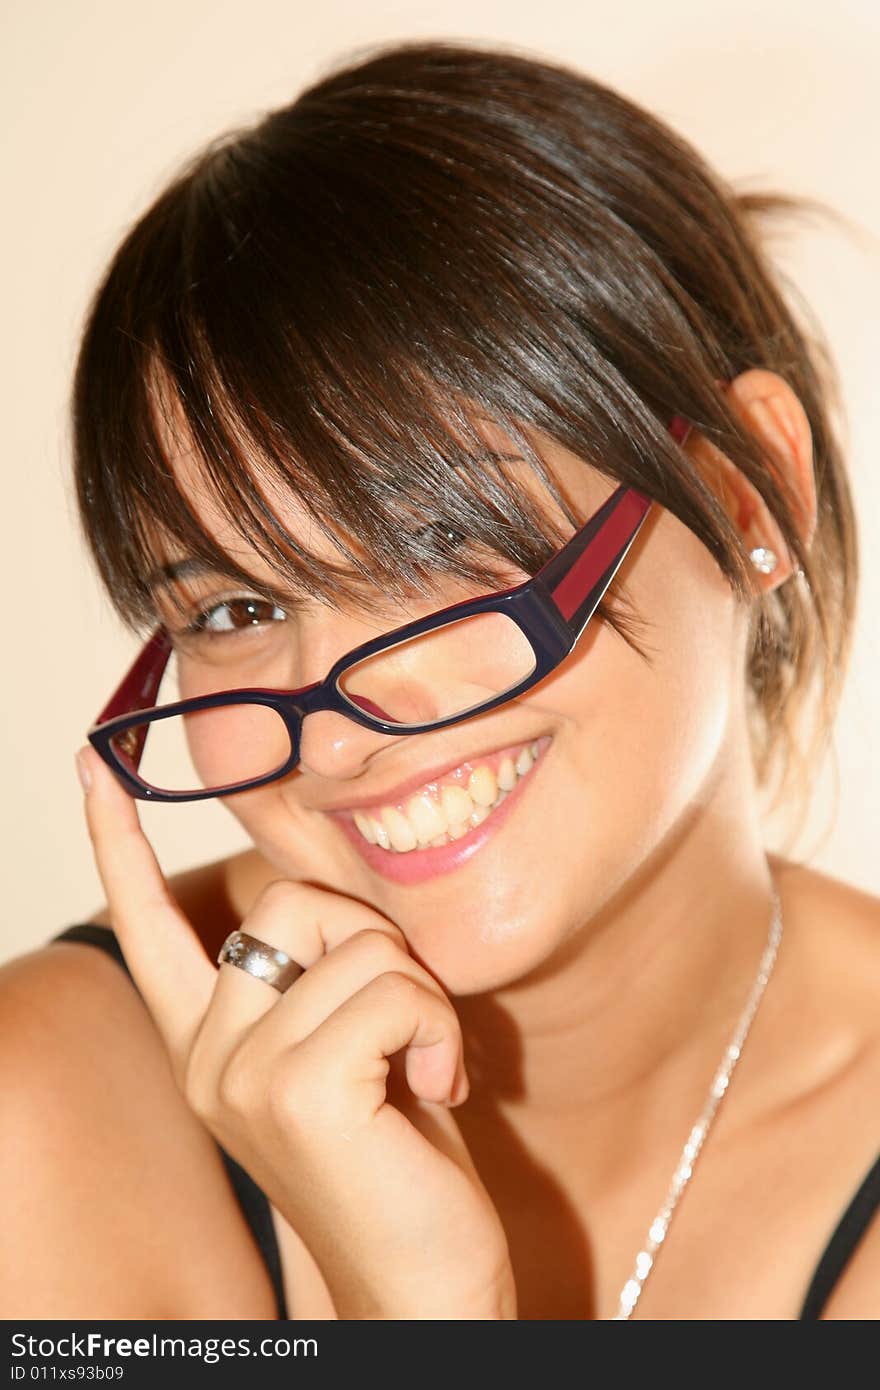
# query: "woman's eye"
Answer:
x=233 y=615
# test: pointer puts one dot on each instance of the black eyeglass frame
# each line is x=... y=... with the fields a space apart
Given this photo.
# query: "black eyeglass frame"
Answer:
x=552 y=609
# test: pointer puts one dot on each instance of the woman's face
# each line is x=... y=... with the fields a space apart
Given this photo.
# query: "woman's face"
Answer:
x=627 y=748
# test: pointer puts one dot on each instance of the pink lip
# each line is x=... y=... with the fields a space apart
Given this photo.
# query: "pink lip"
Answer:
x=417 y=865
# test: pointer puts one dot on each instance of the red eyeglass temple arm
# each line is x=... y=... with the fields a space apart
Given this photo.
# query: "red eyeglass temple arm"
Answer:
x=601 y=544
x=139 y=688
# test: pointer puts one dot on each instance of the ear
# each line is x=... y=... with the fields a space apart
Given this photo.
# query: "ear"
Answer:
x=772 y=412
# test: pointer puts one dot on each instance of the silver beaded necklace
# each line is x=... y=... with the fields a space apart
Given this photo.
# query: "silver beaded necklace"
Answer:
x=644 y=1263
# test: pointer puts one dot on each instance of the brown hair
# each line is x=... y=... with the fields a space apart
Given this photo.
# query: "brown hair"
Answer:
x=431 y=228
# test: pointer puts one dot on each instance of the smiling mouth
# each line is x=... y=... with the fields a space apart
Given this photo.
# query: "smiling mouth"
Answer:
x=444 y=811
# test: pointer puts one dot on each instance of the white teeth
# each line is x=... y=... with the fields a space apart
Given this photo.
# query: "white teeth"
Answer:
x=482 y=787
x=425 y=817
x=426 y=822
x=365 y=826
x=524 y=762
x=507 y=774
x=400 y=832
x=456 y=803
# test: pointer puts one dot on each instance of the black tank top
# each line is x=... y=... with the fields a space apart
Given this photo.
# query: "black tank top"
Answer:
x=256 y=1211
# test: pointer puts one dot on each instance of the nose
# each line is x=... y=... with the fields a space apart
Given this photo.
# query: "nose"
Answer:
x=335 y=748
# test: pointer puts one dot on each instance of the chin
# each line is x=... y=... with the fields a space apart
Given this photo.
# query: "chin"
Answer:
x=479 y=947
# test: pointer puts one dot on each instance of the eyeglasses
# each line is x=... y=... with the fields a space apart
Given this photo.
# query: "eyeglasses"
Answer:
x=451 y=665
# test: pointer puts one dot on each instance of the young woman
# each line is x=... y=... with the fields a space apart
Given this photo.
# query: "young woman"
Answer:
x=449 y=444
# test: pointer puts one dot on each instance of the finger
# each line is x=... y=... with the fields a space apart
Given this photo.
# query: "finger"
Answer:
x=311 y=925
x=161 y=949
x=326 y=986
x=340 y=1069
x=335 y=978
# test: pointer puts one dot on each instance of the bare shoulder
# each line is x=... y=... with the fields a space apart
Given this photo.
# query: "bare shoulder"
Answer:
x=833 y=988
x=122 y=1207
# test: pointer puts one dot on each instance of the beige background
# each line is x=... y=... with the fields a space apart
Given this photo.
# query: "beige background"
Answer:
x=102 y=99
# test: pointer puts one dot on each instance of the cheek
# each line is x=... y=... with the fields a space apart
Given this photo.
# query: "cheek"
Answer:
x=231 y=743
x=648 y=736
x=236 y=743
x=655 y=739
x=288 y=837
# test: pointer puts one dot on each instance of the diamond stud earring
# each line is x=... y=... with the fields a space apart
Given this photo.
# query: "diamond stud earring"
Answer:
x=763 y=559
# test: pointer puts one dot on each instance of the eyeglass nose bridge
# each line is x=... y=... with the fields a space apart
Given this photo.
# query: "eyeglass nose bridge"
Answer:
x=324 y=696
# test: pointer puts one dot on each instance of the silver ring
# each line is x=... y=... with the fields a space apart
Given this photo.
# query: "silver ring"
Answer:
x=260 y=959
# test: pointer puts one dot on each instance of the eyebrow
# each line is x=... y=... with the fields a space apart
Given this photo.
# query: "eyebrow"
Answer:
x=164 y=575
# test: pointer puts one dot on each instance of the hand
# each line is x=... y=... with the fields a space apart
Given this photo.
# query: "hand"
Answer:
x=296 y=1085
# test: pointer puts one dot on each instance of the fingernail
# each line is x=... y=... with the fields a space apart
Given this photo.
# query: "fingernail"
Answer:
x=82 y=769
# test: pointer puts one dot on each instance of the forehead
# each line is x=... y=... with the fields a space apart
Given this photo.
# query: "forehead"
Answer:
x=283 y=504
